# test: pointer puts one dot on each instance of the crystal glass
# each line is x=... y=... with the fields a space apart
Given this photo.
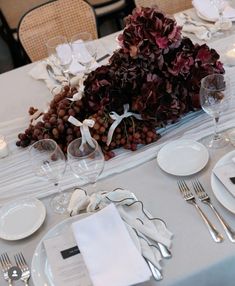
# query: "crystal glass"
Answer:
x=84 y=49
x=221 y=23
x=86 y=161
x=49 y=163
x=60 y=53
x=215 y=99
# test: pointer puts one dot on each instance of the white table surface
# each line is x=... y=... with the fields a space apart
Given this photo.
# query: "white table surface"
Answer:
x=196 y=259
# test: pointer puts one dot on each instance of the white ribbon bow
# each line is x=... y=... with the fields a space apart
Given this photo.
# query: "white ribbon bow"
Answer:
x=117 y=120
x=78 y=95
x=84 y=128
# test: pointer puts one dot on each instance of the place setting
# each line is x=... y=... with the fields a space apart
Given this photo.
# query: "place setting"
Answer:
x=81 y=201
x=69 y=61
x=213 y=18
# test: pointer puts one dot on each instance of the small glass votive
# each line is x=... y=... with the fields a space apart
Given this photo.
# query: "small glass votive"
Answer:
x=3 y=147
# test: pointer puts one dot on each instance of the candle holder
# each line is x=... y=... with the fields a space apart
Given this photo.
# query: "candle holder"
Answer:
x=3 y=147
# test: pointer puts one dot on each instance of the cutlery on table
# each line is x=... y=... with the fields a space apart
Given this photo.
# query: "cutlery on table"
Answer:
x=52 y=74
x=156 y=273
x=204 y=198
x=189 y=198
x=102 y=58
x=165 y=252
x=6 y=265
x=21 y=263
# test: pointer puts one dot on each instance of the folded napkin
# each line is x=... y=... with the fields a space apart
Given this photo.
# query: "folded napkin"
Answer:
x=108 y=251
x=150 y=231
x=224 y=173
x=201 y=30
x=207 y=10
x=39 y=72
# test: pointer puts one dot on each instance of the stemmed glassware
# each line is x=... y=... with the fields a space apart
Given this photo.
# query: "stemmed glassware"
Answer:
x=215 y=99
x=83 y=49
x=221 y=23
x=48 y=162
x=86 y=161
x=60 y=53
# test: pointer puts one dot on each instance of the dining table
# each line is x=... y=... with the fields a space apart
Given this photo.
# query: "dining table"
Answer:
x=196 y=258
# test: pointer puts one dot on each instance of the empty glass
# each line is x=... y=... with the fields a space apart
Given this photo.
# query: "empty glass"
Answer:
x=215 y=98
x=86 y=161
x=84 y=49
x=49 y=163
x=60 y=53
x=221 y=23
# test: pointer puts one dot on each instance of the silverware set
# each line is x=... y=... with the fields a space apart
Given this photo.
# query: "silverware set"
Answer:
x=19 y=272
x=204 y=198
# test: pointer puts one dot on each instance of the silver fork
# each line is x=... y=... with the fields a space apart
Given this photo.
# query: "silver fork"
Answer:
x=203 y=196
x=21 y=263
x=6 y=265
x=189 y=197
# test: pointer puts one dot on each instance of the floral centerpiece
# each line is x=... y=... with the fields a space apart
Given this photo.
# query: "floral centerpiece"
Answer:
x=152 y=80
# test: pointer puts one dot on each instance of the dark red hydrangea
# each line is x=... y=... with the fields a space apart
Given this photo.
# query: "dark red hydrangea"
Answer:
x=149 y=30
x=156 y=71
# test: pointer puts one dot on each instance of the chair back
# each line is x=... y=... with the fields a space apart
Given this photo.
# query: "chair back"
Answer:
x=168 y=6
x=61 y=17
x=13 y=10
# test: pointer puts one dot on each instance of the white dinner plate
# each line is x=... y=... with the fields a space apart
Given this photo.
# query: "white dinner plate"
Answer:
x=210 y=19
x=182 y=157
x=41 y=270
x=219 y=190
x=21 y=218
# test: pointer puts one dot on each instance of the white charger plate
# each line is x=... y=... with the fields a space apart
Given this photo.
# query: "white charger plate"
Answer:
x=219 y=190
x=21 y=218
x=183 y=157
x=41 y=270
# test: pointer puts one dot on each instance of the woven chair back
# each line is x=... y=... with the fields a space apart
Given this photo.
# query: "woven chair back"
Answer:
x=13 y=10
x=168 y=6
x=61 y=17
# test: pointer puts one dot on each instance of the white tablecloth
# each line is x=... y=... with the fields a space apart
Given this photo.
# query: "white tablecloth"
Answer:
x=197 y=260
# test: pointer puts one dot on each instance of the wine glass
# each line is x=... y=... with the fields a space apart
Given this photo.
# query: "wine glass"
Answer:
x=215 y=98
x=60 y=53
x=83 y=49
x=86 y=161
x=48 y=162
x=221 y=23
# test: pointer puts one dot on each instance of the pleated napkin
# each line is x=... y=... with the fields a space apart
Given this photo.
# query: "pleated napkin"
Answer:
x=109 y=253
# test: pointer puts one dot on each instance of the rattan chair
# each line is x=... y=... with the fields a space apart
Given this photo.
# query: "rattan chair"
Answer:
x=61 y=17
x=168 y=6
x=11 y=12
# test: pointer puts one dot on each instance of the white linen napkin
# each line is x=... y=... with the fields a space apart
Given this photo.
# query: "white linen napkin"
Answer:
x=201 y=30
x=224 y=173
x=207 y=10
x=109 y=253
x=150 y=232
x=39 y=72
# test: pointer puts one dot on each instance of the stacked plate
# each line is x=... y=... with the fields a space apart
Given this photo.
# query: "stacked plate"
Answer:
x=223 y=195
x=208 y=11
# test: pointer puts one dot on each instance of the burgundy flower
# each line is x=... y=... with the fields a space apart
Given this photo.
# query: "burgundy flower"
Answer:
x=148 y=30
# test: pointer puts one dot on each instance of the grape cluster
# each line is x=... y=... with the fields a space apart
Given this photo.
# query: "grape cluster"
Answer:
x=54 y=124
x=128 y=134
